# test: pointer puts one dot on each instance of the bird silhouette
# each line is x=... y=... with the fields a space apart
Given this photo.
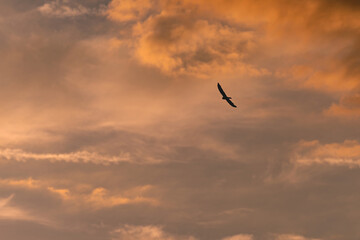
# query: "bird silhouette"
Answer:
x=225 y=97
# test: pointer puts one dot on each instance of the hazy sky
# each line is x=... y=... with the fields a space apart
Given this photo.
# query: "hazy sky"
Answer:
x=112 y=127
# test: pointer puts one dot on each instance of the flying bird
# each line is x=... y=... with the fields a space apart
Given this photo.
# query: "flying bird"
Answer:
x=224 y=96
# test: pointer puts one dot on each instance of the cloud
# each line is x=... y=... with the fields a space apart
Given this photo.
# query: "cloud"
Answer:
x=75 y=157
x=284 y=17
x=100 y=198
x=293 y=237
x=295 y=43
x=10 y=212
x=129 y=10
x=65 y=9
x=336 y=154
x=239 y=237
x=99 y=92
x=25 y=183
x=130 y=232
x=273 y=236
x=90 y=197
x=178 y=42
x=330 y=77
x=199 y=36
x=348 y=107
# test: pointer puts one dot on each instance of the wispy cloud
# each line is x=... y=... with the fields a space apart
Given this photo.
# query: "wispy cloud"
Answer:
x=10 y=212
x=293 y=237
x=75 y=157
x=101 y=198
x=130 y=232
x=271 y=236
x=239 y=237
x=335 y=154
x=93 y=198
x=25 y=183
x=347 y=107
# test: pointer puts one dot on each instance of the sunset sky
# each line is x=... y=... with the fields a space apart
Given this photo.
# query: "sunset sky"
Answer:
x=112 y=127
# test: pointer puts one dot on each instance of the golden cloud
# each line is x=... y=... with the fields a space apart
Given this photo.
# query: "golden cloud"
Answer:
x=64 y=193
x=169 y=43
x=283 y=17
x=331 y=79
x=22 y=183
x=208 y=38
x=177 y=41
x=150 y=232
x=239 y=237
x=336 y=154
x=293 y=237
x=78 y=197
x=76 y=157
x=100 y=198
x=128 y=10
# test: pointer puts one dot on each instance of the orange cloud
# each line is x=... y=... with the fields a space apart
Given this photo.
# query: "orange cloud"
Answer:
x=100 y=198
x=177 y=44
x=24 y=183
x=128 y=10
x=150 y=232
x=10 y=212
x=293 y=237
x=239 y=237
x=81 y=156
x=177 y=41
x=332 y=79
x=282 y=16
x=96 y=198
x=64 y=193
x=337 y=154
x=206 y=38
x=349 y=106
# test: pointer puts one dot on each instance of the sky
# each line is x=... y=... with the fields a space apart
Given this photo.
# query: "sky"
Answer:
x=112 y=127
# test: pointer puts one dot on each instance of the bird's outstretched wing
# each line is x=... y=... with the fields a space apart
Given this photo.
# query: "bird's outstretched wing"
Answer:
x=230 y=102
x=221 y=90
